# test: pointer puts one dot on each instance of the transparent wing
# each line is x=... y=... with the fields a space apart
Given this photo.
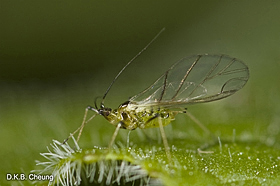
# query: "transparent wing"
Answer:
x=195 y=79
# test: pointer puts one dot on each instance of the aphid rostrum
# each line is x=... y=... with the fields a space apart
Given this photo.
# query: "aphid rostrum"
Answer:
x=194 y=79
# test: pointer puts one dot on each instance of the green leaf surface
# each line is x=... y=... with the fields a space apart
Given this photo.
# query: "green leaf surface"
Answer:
x=222 y=163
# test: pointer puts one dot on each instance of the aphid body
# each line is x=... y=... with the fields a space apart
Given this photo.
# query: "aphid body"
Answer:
x=132 y=118
x=194 y=79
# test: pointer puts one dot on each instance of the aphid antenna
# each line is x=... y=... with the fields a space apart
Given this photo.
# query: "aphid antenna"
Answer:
x=95 y=104
x=136 y=56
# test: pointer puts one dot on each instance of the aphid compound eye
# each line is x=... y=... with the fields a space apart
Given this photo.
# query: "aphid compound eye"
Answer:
x=107 y=112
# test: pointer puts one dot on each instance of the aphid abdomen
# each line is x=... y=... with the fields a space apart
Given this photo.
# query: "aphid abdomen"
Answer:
x=151 y=118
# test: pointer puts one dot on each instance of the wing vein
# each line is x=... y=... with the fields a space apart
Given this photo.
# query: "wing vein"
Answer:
x=185 y=77
x=164 y=85
x=208 y=75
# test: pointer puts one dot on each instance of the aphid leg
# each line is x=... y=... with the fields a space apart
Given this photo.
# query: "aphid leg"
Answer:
x=85 y=122
x=205 y=129
x=114 y=135
x=127 y=139
x=82 y=125
x=71 y=134
x=204 y=152
x=165 y=142
x=164 y=138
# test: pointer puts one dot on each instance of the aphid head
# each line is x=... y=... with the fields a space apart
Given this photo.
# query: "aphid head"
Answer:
x=104 y=111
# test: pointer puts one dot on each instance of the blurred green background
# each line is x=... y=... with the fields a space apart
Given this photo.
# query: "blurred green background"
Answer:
x=57 y=56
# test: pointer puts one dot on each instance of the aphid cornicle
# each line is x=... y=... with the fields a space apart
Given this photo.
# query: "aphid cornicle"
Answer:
x=194 y=79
